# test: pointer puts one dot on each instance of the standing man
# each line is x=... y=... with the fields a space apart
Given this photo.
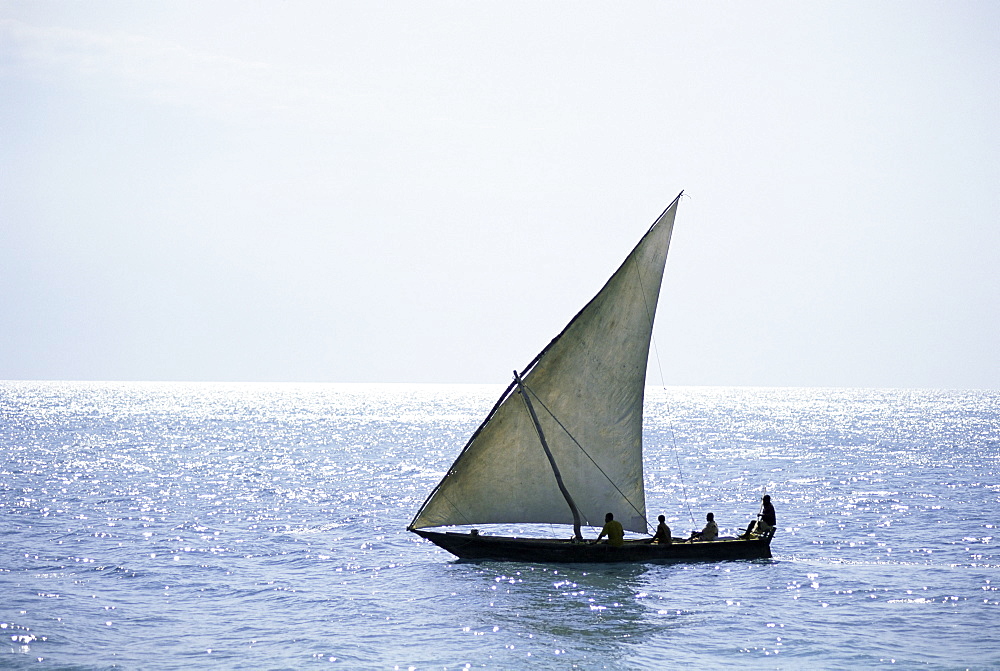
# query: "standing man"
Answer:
x=767 y=515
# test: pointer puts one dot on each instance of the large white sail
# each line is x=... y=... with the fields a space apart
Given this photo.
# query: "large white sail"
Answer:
x=586 y=388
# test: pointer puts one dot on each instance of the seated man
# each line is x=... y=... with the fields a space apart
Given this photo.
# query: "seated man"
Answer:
x=613 y=530
x=662 y=534
x=709 y=533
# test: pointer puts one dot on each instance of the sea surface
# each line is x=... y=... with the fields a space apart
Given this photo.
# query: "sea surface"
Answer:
x=263 y=526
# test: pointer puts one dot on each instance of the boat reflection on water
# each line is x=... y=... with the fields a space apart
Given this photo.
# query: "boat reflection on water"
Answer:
x=540 y=602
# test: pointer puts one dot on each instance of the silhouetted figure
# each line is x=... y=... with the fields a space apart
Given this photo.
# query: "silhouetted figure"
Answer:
x=662 y=534
x=766 y=520
x=613 y=530
x=767 y=515
x=709 y=533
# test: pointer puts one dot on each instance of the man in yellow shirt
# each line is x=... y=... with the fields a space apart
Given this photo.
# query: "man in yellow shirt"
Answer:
x=613 y=530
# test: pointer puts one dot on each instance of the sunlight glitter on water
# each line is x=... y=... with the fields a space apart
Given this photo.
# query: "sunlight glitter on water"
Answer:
x=266 y=524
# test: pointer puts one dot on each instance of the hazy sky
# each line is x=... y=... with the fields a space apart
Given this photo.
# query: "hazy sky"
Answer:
x=428 y=191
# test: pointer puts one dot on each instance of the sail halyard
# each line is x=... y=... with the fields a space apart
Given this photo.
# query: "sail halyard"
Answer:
x=591 y=376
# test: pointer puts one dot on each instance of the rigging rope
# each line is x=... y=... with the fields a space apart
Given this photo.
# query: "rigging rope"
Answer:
x=670 y=426
x=577 y=443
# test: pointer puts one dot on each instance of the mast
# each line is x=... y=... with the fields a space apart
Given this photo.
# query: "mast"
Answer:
x=552 y=462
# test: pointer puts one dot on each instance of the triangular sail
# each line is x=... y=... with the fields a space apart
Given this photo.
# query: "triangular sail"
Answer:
x=587 y=390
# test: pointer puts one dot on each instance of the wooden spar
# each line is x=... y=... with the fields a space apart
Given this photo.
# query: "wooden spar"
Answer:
x=552 y=462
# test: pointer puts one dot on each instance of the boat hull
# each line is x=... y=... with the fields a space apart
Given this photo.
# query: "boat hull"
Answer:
x=551 y=550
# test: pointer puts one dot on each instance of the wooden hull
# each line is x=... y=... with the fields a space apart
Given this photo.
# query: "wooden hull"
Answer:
x=545 y=550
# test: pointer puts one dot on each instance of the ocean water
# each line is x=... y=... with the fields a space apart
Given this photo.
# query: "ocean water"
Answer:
x=177 y=526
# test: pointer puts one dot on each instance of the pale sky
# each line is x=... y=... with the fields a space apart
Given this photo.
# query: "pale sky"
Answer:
x=428 y=191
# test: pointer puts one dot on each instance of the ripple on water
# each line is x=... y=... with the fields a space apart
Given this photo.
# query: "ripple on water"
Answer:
x=264 y=525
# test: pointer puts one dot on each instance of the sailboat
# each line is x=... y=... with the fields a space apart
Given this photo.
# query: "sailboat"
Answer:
x=563 y=444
